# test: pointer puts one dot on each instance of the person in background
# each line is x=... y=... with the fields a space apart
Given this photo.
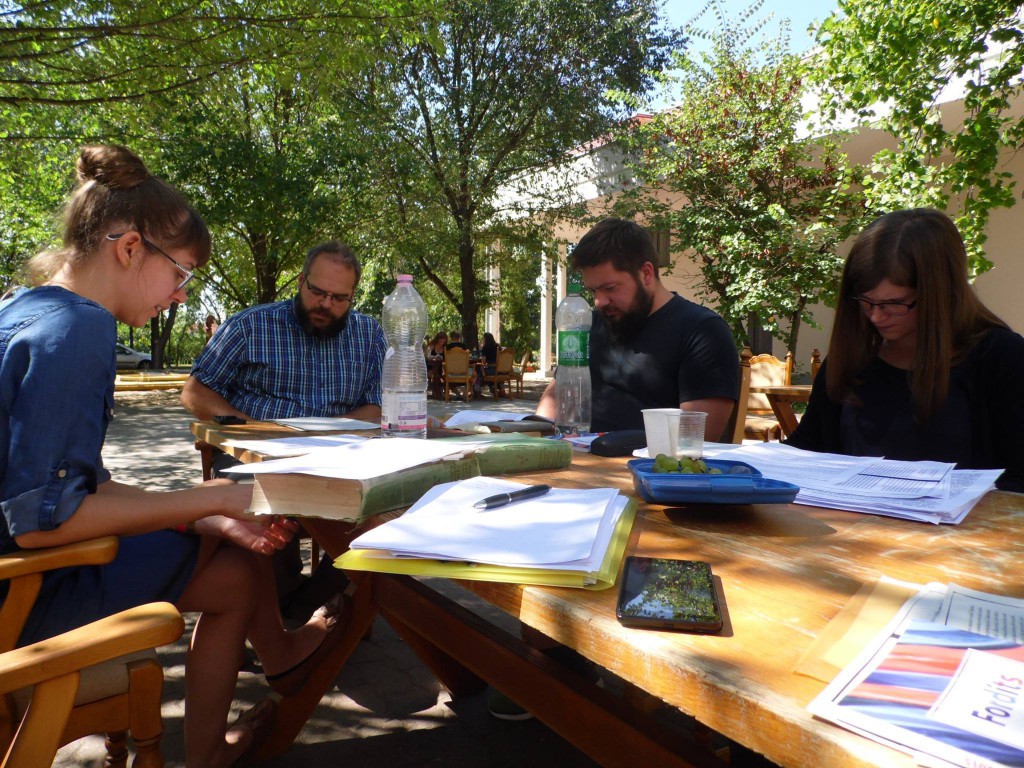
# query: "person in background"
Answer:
x=456 y=341
x=435 y=362
x=131 y=245
x=489 y=356
x=649 y=348
x=311 y=355
x=918 y=368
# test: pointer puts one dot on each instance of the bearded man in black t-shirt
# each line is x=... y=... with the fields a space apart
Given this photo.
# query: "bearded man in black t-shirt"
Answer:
x=649 y=347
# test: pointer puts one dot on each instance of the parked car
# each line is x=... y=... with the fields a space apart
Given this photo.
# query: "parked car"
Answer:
x=129 y=358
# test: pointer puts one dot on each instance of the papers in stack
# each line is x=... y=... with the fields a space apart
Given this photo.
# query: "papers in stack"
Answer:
x=327 y=423
x=945 y=681
x=927 y=491
x=564 y=538
x=293 y=446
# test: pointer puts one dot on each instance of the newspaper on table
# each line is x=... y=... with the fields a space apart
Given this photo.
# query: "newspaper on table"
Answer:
x=944 y=681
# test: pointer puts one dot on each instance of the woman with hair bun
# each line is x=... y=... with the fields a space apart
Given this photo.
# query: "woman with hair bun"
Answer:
x=918 y=368
x=131 y=246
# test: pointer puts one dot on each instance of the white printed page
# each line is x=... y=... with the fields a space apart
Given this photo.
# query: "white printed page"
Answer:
x=361 y=461
x=993 y=615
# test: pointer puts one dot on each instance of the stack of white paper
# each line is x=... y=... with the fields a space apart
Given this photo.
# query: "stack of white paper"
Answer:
x=927 y=491
x=561 y=530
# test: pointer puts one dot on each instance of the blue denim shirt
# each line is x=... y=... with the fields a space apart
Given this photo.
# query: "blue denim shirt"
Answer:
x=57 y=368
x=263 y=363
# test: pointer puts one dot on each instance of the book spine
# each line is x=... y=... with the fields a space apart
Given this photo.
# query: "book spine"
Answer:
x=402 y=489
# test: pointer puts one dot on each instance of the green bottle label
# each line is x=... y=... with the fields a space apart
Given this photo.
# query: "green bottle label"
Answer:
x=574 y=348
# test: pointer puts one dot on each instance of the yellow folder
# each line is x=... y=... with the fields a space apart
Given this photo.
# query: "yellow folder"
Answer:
x=384 y=562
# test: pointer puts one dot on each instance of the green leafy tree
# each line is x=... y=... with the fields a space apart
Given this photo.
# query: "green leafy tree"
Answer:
x=904 y=56
x=763 y=206
x=492 y=90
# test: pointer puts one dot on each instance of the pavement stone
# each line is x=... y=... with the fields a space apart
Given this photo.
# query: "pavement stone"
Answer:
x=386 y=708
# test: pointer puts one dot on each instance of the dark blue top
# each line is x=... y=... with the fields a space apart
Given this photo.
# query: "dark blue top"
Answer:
x=980 y=426
x=57 y=369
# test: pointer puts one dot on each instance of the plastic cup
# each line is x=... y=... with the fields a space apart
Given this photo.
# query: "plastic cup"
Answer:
x=691 y=434
x=661 y=426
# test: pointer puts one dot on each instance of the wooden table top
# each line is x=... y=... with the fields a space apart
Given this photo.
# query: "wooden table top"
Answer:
x=802 y=391
x=785 y=571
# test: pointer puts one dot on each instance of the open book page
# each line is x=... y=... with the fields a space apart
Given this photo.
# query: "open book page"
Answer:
x=326 y=423
x=363 y=460
x=293 y=446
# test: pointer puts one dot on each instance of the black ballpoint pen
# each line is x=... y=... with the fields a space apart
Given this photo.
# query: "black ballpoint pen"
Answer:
x=501 y=499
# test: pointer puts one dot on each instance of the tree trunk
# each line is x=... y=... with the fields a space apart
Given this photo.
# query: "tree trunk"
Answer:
x=266 y=269
x=160 y=334
x=467 y=269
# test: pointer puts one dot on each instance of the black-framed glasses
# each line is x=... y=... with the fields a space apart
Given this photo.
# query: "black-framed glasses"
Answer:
x=319 y=294
x=188 y=273
x=890 y=308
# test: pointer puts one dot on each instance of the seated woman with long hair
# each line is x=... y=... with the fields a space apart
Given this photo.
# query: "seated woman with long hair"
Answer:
x=131 y=245
x=918 y=368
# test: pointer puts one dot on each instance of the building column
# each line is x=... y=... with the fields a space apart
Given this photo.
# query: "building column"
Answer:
x=492 y=316
x=546 y=314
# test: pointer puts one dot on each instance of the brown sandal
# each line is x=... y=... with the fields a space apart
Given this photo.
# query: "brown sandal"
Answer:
x=259 y=720
x=336 y=612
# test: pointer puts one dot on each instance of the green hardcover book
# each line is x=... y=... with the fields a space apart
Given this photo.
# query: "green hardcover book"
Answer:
x=297 y=495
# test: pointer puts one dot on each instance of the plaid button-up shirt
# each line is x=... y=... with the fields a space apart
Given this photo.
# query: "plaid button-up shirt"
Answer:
x=264 y=363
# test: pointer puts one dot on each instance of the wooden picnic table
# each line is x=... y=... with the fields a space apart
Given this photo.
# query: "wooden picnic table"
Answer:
x=785 y=572
x=781 y=398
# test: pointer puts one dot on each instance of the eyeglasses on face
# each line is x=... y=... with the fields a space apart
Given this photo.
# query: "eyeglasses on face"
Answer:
x=890 y=308
x=319 y=294
x=187 y=274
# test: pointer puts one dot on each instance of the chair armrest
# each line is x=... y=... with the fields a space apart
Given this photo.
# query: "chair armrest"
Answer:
x=26 y=561
x=136 y=629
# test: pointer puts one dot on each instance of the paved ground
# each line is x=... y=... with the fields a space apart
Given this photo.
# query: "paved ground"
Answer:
x=386 y=709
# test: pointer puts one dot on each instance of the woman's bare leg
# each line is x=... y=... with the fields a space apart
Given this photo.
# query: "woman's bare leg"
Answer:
x=236 y=594
x=224 y=590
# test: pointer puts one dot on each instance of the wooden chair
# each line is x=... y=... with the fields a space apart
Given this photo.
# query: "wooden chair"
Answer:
x=502 y=372
x=457 y=373
x=815 y=364
x=518 y=371
x=736 y=426
x=100 y=678
x=766 y=370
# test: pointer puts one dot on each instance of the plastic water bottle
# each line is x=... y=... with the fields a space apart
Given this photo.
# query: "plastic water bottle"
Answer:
x=404 y=374
x=572 y=378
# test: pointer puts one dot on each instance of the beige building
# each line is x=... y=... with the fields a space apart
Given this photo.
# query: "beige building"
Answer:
x=598 y=173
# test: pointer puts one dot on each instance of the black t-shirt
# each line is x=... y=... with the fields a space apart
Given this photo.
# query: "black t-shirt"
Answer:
x=980 y=425
x=683 y=352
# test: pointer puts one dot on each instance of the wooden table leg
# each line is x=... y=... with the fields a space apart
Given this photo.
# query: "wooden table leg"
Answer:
x=589 y=717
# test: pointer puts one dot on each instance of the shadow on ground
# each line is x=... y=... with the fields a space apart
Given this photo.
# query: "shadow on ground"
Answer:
x=385 y=709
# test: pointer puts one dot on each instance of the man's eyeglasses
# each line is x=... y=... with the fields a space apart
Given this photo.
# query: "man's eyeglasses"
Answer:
x=320 y=295
x=890 y=308
x=188 y=273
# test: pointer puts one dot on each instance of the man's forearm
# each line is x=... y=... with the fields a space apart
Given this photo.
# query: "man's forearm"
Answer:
x=548 y=405
x=205 y=403
x=368 y=412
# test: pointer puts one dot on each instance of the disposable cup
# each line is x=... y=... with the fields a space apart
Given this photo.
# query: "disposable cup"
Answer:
x=662 y=428
x=691 y=434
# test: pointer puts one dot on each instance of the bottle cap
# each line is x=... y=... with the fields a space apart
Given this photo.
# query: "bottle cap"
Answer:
x=575 y=282
x=405 y=278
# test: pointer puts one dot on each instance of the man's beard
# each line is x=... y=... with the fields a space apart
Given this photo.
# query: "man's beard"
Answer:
x=633 y=318
x=329 y=331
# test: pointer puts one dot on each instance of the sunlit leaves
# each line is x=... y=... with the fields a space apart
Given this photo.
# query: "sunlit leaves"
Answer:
x=894 y=65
